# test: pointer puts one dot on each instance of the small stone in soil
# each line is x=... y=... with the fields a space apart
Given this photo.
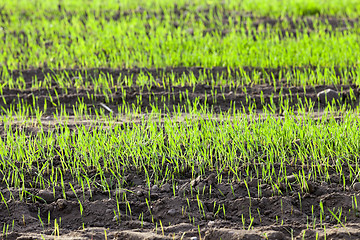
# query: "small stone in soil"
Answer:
x=328 y=95
x=172 y=212
x=193 y=182
x=291 y=178
x=70 y=194
x=61 y=204
x=193 y=238
x=311 y=187
x=155 y=187
x=357 y=186
x=275 y=235
x=211 y=179
x=46 y=195
x=166 y=187
x=211 y=223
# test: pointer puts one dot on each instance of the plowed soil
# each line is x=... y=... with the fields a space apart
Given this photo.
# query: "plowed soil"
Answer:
x=232 y=210
x=284 y=213
x=217 y=97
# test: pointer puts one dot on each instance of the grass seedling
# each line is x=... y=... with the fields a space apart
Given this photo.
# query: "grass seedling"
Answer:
x=338 y=219
x=355 y=206
x=224 y=212
x=41 y=222
x=199 y=232
x=56 y=228
x=149 y=208
x=162 y=228
x=243 y=221
x=5 y=202
x=258 y=210
x=49 y=219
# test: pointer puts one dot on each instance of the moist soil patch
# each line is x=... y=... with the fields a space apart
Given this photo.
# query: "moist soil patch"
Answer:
x=166 y=95
x=188 y=206
x=216 y=98
x=214 y=73
x=233 y=210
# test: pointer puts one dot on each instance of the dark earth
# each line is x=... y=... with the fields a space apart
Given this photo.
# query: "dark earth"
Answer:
x=234 y=94
x=285 y=213
x=230 y=212
x=233 y=210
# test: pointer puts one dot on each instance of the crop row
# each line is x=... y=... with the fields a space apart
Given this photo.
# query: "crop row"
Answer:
x=142 y=41
x=257 y=7
x=115 y=46
x=106 y=81
x=238 y=150
x=164 y=147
